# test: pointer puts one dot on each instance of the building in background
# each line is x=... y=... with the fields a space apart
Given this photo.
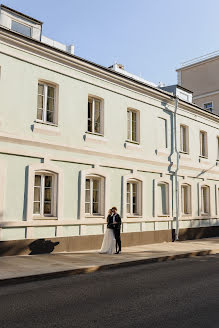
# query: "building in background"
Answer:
x=77 y=138
x=201 y=76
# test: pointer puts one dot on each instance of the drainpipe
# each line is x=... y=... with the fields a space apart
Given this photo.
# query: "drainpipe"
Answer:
x=176 y=170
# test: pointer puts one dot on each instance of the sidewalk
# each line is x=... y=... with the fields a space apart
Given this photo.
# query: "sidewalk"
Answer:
x=15 y=269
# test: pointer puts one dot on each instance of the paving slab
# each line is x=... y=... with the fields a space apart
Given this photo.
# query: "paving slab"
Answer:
x=14 y=269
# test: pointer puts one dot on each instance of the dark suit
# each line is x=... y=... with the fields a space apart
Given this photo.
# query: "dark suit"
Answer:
x=116 y=228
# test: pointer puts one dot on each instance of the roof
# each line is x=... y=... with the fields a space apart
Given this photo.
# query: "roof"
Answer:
x=21 y=14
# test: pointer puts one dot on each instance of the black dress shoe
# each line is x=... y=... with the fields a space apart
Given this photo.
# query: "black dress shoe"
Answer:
x=117 y=252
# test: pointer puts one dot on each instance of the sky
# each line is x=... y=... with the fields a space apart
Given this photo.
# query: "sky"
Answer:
x=151 y=38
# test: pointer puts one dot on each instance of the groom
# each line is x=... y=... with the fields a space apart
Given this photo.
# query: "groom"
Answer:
x=116 y=228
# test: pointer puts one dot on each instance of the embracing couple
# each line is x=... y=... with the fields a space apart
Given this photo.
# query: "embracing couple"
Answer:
x=111 y=241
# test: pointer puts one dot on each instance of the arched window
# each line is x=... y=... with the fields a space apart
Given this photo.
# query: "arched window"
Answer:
x=45 y=194
x=45 y=191
x=133 y=197
x=94 y=195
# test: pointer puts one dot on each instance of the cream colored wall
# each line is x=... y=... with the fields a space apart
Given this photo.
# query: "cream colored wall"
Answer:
x=21 y=145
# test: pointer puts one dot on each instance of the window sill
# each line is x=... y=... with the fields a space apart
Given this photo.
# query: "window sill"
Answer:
x=45 y=218
x=134 y=216
x=45 y=128
x=203 y=159
x=94 y=217
x=96 y=138
x=185 y=156
x=132 y=145
x=163 y=216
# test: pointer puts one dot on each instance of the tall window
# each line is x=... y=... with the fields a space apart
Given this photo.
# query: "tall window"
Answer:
x=203 y=144
x=217 y=148
x=132 y=125
x=133 y=201
x=186 y=199
x=162 y=133
x=163 y=199
x=46 y=103
x=92 y=196
x=205 y=200
x=95 y=116
x=44 y=190
x=184 y=138
x=209 y=106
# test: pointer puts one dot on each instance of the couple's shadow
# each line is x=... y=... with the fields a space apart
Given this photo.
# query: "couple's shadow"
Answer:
x=42 y=246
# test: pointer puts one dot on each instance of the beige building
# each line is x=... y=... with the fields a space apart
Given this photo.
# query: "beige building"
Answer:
x=201 y=76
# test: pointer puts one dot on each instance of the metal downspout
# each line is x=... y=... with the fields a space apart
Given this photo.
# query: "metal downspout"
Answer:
x=176 y=170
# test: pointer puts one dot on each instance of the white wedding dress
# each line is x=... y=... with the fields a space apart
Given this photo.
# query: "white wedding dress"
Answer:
x=109 y=242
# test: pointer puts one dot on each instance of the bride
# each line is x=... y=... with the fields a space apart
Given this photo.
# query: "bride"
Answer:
x=109 y=241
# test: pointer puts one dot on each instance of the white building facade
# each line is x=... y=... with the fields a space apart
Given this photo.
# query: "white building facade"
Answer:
x=77 y=138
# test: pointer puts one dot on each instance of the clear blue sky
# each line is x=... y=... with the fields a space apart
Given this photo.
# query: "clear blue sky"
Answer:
x=149 y=37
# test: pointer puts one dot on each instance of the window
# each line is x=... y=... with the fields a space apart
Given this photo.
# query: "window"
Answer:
x=217 y=148
x=203 y=144
x=184 y=139
x=132 y=126
x=205 y=200
x=21 y=28
x=186 y=199
x=162 y=133
x=46 y=103
x=163 y=199
x=92 y=196
x=133 y=199
x=209 y=106
x=44 y=190
x=95 y=116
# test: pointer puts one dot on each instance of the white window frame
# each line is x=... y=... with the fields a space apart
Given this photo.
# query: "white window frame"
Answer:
x=184 y=128
x=211 y=108
x=217 y=148
x=138 y=197
x=189 y=199
x=100 y=100
x=49 y=168
x=44 y=109
x=104 y=188
x=42 y=193
x=205 y=155
x=130 y=112
x=138 y=178
x=101 y=190
x=201 y=213
x=168 y=190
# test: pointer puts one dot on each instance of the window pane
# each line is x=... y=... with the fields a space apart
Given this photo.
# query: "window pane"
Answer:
x=96 y=184
x=134 y=208
x=128 y=187
x=89 y=116
x=128 y=208
x=134 y=187
x=40 y=102
x=95 y=208
x=87 y=208
x=87 y=183
x=97 y=117
x=37 y=194
x=37 y=180
x=50 y=104
x=95 y=196
x=36 y=208
x=48 y=181
x=21 y=28
x=51 y=92
x=40 y=114
x=87 y=195
x=162 y=200
x=47 y=194
x=128 y=197
x=49 y=117
x=47 y=208
x=40 y=89
x=128 y=125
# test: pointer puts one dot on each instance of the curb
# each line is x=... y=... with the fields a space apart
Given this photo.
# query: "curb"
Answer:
x=71 y=272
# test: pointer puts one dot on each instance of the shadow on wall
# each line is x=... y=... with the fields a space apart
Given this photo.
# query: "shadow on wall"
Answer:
x=42 y=246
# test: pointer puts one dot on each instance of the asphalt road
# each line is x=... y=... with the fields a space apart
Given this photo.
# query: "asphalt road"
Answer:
x=183 y=293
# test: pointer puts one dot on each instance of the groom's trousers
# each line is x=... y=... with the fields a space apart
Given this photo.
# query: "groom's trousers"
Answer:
x=118 y=239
